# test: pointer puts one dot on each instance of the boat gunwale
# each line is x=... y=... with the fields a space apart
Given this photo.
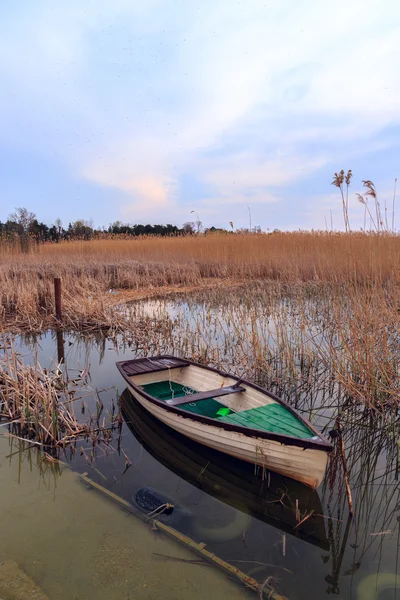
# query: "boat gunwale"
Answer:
x=321 y=443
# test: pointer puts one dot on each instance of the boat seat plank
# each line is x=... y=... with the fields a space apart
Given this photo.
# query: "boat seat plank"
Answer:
x=142 y=366
x=224 y=391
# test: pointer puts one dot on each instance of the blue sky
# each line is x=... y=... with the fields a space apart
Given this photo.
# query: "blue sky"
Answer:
x=145 y=111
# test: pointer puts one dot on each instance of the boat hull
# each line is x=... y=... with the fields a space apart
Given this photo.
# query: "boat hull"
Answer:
x=306 y=465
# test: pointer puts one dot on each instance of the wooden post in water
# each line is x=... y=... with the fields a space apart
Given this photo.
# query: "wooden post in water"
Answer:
x=333 y=579
x=60 y=346
x=113 y=277
x=57 y=297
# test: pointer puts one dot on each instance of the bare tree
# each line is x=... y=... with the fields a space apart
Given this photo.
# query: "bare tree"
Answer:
x=189 y=227
x=198 y=222
x=23 y=217
x=58 y=224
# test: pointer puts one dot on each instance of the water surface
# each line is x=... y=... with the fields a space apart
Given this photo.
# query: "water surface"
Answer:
x=76 y=544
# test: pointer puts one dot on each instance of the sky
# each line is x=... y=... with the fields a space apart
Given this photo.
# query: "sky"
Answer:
x=157 y=111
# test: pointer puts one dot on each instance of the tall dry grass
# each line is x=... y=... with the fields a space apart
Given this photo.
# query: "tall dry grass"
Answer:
x=39 y=404
x=301 y=256
x=89 y=269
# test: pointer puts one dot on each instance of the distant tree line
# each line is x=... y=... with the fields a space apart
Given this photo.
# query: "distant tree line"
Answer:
x=24 y=225
x=126 y=229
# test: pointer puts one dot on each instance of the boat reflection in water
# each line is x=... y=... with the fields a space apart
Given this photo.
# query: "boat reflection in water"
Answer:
x=269 y=497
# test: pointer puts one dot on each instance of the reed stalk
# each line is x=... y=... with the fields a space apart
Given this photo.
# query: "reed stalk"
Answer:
x=38 y=405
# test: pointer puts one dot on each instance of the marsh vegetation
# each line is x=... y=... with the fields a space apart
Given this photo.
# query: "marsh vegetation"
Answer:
x=314 y=317
x=332 y=300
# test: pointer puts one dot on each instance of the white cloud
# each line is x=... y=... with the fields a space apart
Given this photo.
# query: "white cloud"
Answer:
x=231 y=199
x=247 y=171
x=247 y=96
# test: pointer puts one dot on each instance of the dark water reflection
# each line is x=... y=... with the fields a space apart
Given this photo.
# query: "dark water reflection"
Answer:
x=240 y=515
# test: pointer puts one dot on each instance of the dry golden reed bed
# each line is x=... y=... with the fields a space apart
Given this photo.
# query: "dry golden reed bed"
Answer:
x=146 y=266
x=309 y=308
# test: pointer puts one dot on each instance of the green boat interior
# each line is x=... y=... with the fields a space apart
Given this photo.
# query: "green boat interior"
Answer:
x=273 y=417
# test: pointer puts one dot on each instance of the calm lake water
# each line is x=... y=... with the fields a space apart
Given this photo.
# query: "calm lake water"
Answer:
x=76 y=544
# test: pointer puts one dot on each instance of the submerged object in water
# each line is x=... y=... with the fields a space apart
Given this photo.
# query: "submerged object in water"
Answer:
x=151 y=501
x=158 y=505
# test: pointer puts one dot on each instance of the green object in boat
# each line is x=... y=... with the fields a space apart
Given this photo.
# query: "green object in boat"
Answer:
x=224 y=412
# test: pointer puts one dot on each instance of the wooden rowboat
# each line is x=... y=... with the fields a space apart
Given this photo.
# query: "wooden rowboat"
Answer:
x=228 y=414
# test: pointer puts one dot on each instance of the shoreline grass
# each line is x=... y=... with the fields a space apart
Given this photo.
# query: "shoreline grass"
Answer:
x=297 y=303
